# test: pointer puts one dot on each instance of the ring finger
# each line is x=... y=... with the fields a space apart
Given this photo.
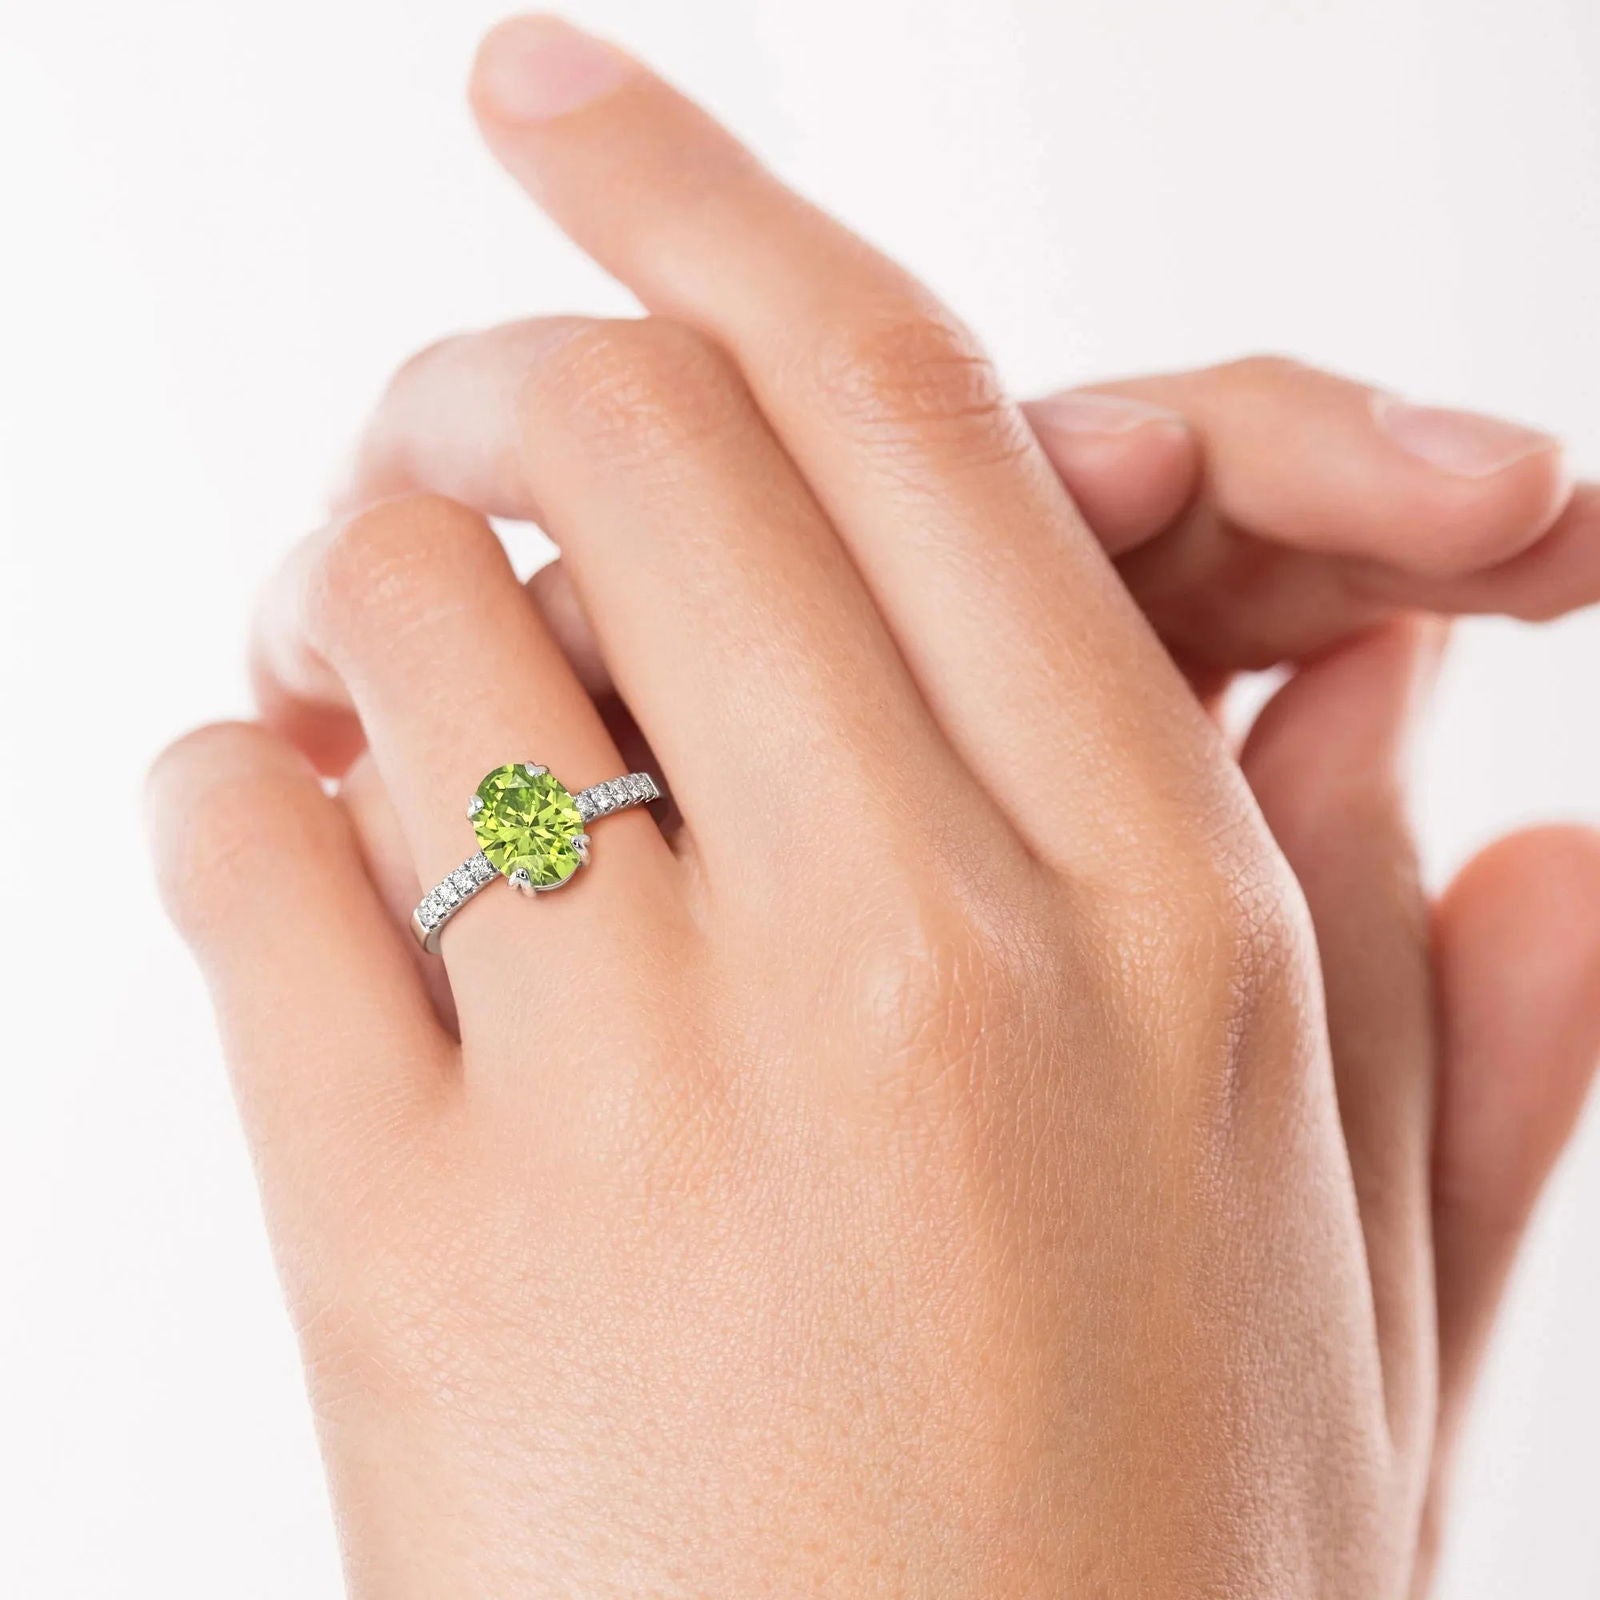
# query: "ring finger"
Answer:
x=409 y=618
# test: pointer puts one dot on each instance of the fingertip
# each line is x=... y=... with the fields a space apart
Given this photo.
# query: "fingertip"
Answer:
x=1556 y=575
x=1131 y=466
x=537 y=67
x=1335 y=734
x=1518 y=939
x=1477 y=489
x=1540 y=884
x=1314 y=460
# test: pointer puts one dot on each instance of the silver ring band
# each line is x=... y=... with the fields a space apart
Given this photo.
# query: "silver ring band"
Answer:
x=452 y=892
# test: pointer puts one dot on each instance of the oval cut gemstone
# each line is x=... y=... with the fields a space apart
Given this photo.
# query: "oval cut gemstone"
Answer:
x=527 y=823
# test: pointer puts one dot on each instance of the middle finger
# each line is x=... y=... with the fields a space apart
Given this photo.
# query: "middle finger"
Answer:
x=1002 y=603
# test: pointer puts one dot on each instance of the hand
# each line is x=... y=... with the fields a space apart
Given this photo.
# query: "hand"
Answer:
x=1261 y=512
x=1029 y=1259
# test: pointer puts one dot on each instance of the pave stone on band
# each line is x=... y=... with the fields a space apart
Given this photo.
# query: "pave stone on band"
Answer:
x=532 y=832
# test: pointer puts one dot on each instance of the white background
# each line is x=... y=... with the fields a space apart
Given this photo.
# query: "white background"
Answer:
x=225 y=223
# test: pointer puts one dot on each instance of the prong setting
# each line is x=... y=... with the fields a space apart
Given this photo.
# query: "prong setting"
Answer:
x=545 y=845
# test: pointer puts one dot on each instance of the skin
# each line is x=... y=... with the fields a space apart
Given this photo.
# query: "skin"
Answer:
x=1002 y=1141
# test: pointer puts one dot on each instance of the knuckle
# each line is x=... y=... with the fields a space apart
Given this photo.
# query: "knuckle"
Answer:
x=233 y=770
x=1230 y=900
x=1269 y=370
x=385 y=565
x=635 y=390
x=1211 y=936
x=944 y=984
x=663 y=1118
x=658 y=1114
x=906 y=371
x=422 y=362
x=195 y=756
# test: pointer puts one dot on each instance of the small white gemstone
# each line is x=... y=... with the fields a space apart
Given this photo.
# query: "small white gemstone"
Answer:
x=448 y=893
x=463 y=880
x=481 y=871
x=435 y=908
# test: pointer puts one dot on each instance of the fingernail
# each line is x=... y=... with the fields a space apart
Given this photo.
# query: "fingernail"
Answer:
x=535 y=68
x=1459 y=442
x=1082 y=412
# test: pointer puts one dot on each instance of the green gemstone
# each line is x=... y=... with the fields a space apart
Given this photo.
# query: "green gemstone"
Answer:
x=527 y=823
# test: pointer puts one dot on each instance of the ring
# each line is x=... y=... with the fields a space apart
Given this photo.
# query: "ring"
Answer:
x=531 y=830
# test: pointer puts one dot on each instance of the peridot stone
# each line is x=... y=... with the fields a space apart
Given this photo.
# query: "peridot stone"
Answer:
x=527 y=823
